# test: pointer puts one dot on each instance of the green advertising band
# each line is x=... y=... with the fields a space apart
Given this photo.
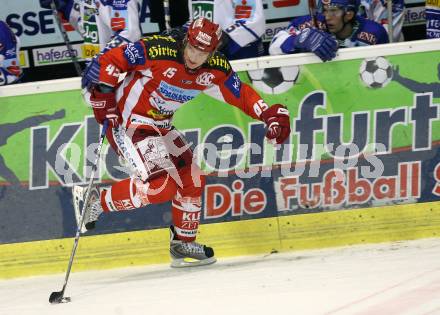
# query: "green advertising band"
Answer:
x=351 y=93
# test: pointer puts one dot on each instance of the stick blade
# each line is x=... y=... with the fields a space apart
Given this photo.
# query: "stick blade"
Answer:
x=58 y=297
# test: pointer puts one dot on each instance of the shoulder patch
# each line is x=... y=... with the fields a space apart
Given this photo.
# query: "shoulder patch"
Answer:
x=161 y=47
x=219 y=62
x=233 y=83
x=134 y=53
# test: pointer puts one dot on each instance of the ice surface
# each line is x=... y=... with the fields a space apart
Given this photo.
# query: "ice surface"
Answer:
x=397 y=278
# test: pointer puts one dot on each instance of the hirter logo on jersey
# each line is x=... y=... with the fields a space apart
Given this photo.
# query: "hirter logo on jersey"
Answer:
x=205 y=79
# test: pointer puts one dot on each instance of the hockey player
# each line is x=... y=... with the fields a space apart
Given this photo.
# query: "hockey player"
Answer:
x=242 y=20
x=10 y=71
x=337 y=26
x=162 y=74
x=376 y=10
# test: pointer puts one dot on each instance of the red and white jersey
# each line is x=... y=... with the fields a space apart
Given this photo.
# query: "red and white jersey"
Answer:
x=157 y=83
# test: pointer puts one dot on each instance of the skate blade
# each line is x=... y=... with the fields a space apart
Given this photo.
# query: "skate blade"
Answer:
x=186 y=262
x=78 y=202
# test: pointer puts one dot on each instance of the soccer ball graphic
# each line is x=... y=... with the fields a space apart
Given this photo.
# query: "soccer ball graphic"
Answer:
x=274 y=80
x=376 y=72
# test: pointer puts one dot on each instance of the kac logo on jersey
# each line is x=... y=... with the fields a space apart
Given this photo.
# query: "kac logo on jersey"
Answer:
x=134 y=53
x=205 y=79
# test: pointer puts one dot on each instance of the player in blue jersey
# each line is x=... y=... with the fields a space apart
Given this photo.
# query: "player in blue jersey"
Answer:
x=10 y=70
x=336 y=26
x=377 y=11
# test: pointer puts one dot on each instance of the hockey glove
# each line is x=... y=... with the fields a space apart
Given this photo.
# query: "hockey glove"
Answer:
x=277 y=121
x=91 y=74
x=320 y=43
x=104 y=107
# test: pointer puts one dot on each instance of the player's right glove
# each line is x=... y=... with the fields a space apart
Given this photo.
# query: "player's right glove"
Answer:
x=277 y=121
x=90 y=75
x=105 y=107
x=319 y=42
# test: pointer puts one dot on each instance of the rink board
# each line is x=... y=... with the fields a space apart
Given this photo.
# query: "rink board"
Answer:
x=36 y=217
x=250 y=237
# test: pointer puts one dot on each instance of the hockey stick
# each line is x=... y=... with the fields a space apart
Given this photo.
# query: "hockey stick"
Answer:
x=312 y=12
x=65 y=38
x=390 y=20
x=58 y=296
x=166 y=9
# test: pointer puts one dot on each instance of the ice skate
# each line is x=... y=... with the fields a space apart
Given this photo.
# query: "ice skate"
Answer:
x=93 y=209
x=189 y=254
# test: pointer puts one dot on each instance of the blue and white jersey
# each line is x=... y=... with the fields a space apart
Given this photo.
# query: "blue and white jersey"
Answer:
x=118 y=17
x=432 y=18
x=10 y=70
x=376 y=10
x=242 y=20
x=101 y=23
x=365 y=33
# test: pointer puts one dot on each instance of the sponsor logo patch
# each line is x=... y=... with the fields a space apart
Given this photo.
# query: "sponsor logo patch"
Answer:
x=134 y=53
x=176 y=93
x=233 y=83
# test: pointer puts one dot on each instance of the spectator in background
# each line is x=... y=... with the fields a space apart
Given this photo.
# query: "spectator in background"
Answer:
x=376 y=10
x=337 y=26
x=108 y=24
x=10 y=71
x=242 y=21
x=68 y=10
x=432 y=18
x=179 y=14
x=103 y=24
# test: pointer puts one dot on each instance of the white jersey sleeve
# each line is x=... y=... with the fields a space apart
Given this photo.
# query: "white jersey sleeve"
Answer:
x=118 y=18
x=277 y=41
x=242 y=20
x=132 y=30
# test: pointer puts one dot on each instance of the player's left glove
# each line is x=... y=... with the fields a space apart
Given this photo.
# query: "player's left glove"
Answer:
x=277 y=121
x=104 y=107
